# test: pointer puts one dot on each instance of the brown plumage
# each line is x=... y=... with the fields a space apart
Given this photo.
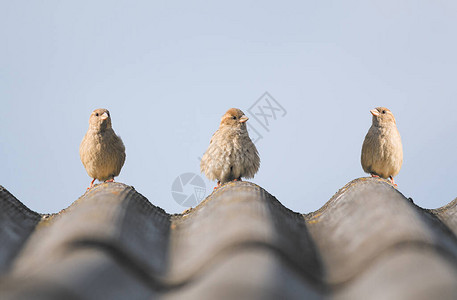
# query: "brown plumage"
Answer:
x=382 y=151
x=102 y=151
x=231 y=153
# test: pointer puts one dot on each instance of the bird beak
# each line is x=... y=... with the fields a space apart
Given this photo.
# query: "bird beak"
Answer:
x=374 y=112
x=104 y=116
x=243 y=119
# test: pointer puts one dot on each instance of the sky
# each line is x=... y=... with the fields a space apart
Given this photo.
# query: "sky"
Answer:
x=168 y=70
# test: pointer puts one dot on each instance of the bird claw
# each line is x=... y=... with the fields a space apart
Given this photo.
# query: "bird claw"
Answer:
x=218 y=185
x=91 y=184
x=392 y=181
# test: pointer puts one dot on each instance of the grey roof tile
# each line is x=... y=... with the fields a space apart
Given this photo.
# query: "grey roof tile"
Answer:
x=17 y=222
x=367 y=242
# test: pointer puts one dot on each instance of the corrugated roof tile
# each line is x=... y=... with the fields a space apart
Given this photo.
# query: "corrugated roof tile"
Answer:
x=367 y=242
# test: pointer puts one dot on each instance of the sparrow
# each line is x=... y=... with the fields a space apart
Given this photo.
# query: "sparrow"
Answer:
x=382 y=151
x=231 y=153
x=102 y=152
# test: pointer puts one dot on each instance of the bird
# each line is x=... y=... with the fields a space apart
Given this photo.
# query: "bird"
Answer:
x=382 y=150
x=102 y=152
x=231 y=154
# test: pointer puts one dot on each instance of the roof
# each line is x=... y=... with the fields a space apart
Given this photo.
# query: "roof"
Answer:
x=367 y=242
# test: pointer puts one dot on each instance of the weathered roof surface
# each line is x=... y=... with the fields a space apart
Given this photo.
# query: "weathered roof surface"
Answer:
x=367 y=242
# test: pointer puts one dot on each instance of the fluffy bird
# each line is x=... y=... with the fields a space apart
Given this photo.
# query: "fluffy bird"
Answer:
x=102 y=152
x=231 y=153
x=382 y=151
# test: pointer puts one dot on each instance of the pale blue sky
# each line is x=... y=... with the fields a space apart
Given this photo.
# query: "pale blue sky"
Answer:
x=168 y=70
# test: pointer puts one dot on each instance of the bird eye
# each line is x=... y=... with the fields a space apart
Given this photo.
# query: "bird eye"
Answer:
x=383 y=111
x=96 y=114
x=234 y=118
